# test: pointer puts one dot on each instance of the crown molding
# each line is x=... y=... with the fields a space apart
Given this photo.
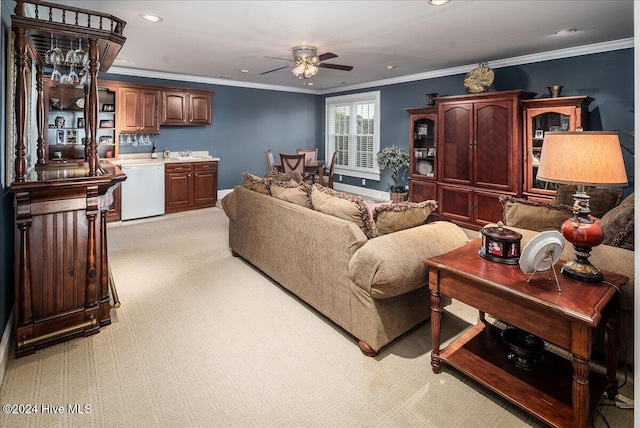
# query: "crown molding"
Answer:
x=506 y=62
x=125 y=71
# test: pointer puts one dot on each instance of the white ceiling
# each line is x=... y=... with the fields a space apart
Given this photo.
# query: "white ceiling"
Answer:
x=219 y=38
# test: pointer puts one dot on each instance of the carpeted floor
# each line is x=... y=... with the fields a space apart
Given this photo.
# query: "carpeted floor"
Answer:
x=204 y=339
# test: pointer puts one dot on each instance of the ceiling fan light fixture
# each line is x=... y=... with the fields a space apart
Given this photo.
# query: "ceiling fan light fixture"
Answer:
x=437 y=2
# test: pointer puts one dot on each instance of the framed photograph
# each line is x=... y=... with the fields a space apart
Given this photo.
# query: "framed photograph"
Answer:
x=107 y=123
x=431 y=152
x=554 y=129
x=60 y=137
x=80 y=122
x=108 y=107
x=72 y=136
x=105 y=139
x=539 y=134
x=423 y=129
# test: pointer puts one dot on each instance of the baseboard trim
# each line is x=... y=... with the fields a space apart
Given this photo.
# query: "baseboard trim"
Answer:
x=5 y=346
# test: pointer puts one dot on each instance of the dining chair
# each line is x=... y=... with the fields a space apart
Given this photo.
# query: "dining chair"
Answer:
x=271 y=164
x=326 y=179
x=310 y=156
x=292 y=163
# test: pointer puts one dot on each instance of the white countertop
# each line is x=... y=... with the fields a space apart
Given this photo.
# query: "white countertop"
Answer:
x=174 y=157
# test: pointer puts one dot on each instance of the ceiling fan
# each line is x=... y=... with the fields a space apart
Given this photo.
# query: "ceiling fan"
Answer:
x=307 y=62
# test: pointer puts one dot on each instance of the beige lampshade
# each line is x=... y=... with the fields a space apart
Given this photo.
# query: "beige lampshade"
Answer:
x=590 y=158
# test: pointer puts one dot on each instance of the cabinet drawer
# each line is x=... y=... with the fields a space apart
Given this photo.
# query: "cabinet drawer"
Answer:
x=205 y=166
x=178 y=167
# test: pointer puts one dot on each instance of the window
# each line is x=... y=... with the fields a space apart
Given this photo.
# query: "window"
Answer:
x=353 y=129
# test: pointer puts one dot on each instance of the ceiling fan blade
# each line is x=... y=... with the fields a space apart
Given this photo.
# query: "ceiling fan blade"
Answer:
x=326 y=56
x=283 y=59
x=275 y=69
x=336 y=66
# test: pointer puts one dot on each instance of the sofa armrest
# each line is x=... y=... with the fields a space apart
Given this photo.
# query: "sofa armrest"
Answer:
x=393 y=264
x=229 y=205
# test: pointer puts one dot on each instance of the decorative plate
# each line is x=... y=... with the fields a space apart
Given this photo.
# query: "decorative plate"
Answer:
x=80 y=102
x=542 y=252
x=479 y=79
x=425 y=167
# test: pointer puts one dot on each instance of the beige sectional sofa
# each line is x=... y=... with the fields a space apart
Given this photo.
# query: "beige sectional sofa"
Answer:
x=374 y=288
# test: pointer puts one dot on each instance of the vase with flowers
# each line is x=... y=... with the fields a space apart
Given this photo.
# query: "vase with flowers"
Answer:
x=395 y=159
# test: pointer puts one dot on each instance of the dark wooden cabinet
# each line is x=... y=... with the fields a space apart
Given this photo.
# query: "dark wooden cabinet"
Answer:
x=542 y=115
x=186 y=107
x=479 y=154
x=113 y=212
x=139 y=110
x=423 y=165
x=190 y=185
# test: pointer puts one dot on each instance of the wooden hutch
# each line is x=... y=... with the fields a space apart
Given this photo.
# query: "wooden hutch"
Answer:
x=62 y=285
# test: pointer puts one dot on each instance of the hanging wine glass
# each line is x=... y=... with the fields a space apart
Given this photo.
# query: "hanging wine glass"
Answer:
x=81 y=56
x=59 y=56
x=70 y=58
x=49 y=56
x=55 y=75
x=73 y=76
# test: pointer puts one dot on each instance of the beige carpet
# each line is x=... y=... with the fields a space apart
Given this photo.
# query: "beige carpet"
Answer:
x=204 y=339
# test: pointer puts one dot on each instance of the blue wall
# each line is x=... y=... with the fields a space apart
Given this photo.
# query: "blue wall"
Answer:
x=246 y=122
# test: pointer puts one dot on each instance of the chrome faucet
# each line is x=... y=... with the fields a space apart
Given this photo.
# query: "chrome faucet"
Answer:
x=185 y=153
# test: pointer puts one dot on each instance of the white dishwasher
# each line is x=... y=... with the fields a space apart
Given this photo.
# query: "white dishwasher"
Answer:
x=142 y=191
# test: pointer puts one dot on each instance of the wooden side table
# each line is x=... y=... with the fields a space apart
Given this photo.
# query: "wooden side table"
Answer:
x=560 y=392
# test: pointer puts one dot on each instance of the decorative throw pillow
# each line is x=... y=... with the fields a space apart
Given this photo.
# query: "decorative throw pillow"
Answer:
x=344 y=206
x=255 y=183
x=532 y=215
x=601 y=201
x=390 y=218
x=285 y=176
x=618 y=224
x=296 y=193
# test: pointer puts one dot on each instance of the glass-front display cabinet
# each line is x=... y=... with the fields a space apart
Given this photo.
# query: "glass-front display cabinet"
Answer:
x=66 y=122
x=422 y=153
x=540 y=116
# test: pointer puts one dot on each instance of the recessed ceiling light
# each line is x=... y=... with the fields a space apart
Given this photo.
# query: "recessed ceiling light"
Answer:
x=151 y=17
x=566 y=31
x=308 y=83
x=390 y=67
x=244 y=71
x=437 y=2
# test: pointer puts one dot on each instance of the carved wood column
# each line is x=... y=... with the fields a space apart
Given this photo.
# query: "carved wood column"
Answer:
x=93 y=106
x=91 y=294
x=40 y=111
x=21 y=103
x=24 y=315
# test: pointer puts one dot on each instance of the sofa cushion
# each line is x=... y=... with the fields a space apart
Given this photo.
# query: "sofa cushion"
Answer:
x=285 y=176
x=602 y=200
x=533 y=215
x=255 y=183
x=618 y=225
x=389 y=218
x=290 y=191
x=344 y=206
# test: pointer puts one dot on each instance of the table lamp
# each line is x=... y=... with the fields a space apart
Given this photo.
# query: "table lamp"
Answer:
x=584 y=159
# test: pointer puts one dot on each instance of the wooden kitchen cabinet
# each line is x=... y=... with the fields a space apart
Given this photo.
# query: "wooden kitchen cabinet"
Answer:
x=139 y=110
x=480 y=154
x=186 y=107
x=190 y=185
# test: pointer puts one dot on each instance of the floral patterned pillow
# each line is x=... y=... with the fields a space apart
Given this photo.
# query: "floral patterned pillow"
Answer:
x=344 y=206
x=255 y=183
x=390 y=218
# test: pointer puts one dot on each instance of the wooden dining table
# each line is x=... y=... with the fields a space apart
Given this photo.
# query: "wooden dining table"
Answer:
x=311 y=167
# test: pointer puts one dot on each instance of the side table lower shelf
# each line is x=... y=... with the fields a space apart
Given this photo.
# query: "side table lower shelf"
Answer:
x=546 y=392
